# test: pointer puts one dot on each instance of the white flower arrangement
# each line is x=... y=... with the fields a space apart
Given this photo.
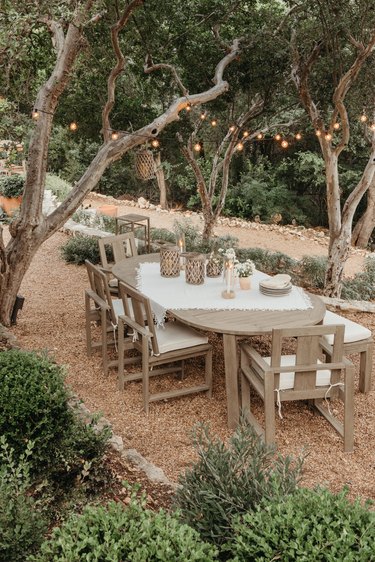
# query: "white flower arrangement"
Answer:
x=215 y=258
x=244 y=269
x=228 y=254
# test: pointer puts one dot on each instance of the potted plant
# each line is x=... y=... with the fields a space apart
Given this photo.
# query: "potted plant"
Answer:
x=244 y=271
x=11 y=190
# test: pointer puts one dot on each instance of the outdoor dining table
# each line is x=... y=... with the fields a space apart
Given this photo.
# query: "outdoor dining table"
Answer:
x=231 y=323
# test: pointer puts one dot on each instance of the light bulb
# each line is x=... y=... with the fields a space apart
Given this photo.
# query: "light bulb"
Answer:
x=155 y=143
x=239 y=146
x=318 y=133
x=197 y=147
x=363 y=118
x=203 y=116
x=328 y=136
x=259 y=136
x=213 y=122
x=372 y=126
x=114 y=135
x=188 y=107
x=285 y=144
x=336 y=126
x=298 y=136
x=277 y=137
x=245 y=134
x=73 y=126
x=35 y=115
x=232 y=128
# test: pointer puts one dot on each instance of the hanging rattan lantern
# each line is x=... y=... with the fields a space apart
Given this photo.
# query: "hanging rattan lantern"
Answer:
x=144 y=164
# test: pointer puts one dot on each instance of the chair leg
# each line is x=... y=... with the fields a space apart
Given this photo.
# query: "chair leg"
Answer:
x=245 y=393
x=269 y=409
x=365 y=368
x=349 y=409
x=145 y=376
x=88 y=326
x=208 y=372
x=120 y=371
x=103 y=318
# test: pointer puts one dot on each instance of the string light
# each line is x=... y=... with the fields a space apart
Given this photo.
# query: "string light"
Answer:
x=245 y=134
x=114 y=135
x=259 y=136
x=35 y=115
x=372 y=126
x=318 y=133
x=336 y=126
x=155 y=143
x=197 y=147
x=73 y=126
x=203 y=115
x=232 y=128
x=298 y=136
x=214 y=122
x=328 y=136
x=239 y=146
x=277 y=137
x=188 y=106
x=284 y=144
x=363 y=118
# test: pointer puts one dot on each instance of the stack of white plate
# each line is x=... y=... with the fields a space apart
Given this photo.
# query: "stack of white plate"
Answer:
x=277 y=286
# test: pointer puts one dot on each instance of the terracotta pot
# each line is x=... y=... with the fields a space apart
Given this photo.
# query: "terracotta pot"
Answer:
x=245 y=283
x=10 y=204
x=108 y=210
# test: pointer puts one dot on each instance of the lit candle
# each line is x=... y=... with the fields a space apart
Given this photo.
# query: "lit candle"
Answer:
x=229 y=275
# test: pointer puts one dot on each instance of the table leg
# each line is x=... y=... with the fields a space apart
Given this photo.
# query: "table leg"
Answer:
x=231 y=379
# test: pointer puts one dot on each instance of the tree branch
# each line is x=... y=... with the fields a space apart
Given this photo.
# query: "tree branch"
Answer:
x=118 y=68
x=58 y=37
x=151 y=67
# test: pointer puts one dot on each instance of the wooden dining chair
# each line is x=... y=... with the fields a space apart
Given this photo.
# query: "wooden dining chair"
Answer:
x=302 y=376
x=103 y=310
x=166 y=346
x=113 y=249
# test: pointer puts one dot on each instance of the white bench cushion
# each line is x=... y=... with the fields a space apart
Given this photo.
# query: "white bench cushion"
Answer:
x=353 y=331
x=286 y=381
x=176 y=336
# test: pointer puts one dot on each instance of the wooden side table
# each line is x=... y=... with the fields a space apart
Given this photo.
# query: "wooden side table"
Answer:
x=126 y=223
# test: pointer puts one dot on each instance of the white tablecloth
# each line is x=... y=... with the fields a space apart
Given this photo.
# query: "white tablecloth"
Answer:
x=174 y=293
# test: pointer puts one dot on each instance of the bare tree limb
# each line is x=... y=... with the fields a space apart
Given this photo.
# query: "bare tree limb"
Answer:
x=118 y=68
x=151 y=67
x=57 y=32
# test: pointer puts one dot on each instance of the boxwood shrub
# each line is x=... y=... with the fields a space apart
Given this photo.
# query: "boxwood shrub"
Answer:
x=115 y=533
x=307 y=525
x=12 y=186
x=34 y=407
x=80 y=248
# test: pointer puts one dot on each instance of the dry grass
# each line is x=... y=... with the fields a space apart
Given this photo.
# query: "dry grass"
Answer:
x=53 y=319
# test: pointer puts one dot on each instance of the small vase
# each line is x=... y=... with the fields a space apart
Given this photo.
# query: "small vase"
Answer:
x=214 y=268
x=245 y=283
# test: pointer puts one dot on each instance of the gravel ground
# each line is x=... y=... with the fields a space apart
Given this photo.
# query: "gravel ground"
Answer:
x=53 y=319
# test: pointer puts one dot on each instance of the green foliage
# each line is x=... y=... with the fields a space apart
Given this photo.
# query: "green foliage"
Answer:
x=162 y=234
x=94 y=219
x=308 y=525
x=230 y=480
x=115 y=533
x=267 y=261
x=22 y=523
x=12 y=186
x=80 y=248
x=194 y=241
x=312 y=271
x=362 y=285
x=34 y=407
x=260 y=192
x=58 y=186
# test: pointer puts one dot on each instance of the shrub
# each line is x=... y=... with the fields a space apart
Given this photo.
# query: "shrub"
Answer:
x=312 y=271
x=230 y=480
x=308 y=525
x=362 y=285
x=12 y=186
x=58 y=186
x=115 y=533
x=21 y=520
x=80 y=248
x=268 y=262
x=34 y=407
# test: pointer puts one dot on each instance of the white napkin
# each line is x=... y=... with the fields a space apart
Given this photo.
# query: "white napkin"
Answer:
x=280 y=281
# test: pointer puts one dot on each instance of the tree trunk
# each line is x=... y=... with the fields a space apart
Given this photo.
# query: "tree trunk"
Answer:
x=337 y=256
x=366 y=224
x=160 y=178
x=209 y=223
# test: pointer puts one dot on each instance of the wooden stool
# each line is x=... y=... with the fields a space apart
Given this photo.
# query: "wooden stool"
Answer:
x=126 y=223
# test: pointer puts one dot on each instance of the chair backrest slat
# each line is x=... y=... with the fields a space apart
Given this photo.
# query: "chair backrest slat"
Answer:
x=99 y=284
x=142 y=312
x=308 y=352
x=122 y=246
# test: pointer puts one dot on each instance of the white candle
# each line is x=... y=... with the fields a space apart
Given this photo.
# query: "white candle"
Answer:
x=229 y=276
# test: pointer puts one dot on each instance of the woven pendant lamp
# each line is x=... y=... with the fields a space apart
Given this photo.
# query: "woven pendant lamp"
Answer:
x=144 y=164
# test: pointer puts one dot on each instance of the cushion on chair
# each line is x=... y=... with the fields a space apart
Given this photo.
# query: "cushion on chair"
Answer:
x=117 y=307
x=176 y=336
x=353 y=331
x=113 y=283
x=323 y=378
